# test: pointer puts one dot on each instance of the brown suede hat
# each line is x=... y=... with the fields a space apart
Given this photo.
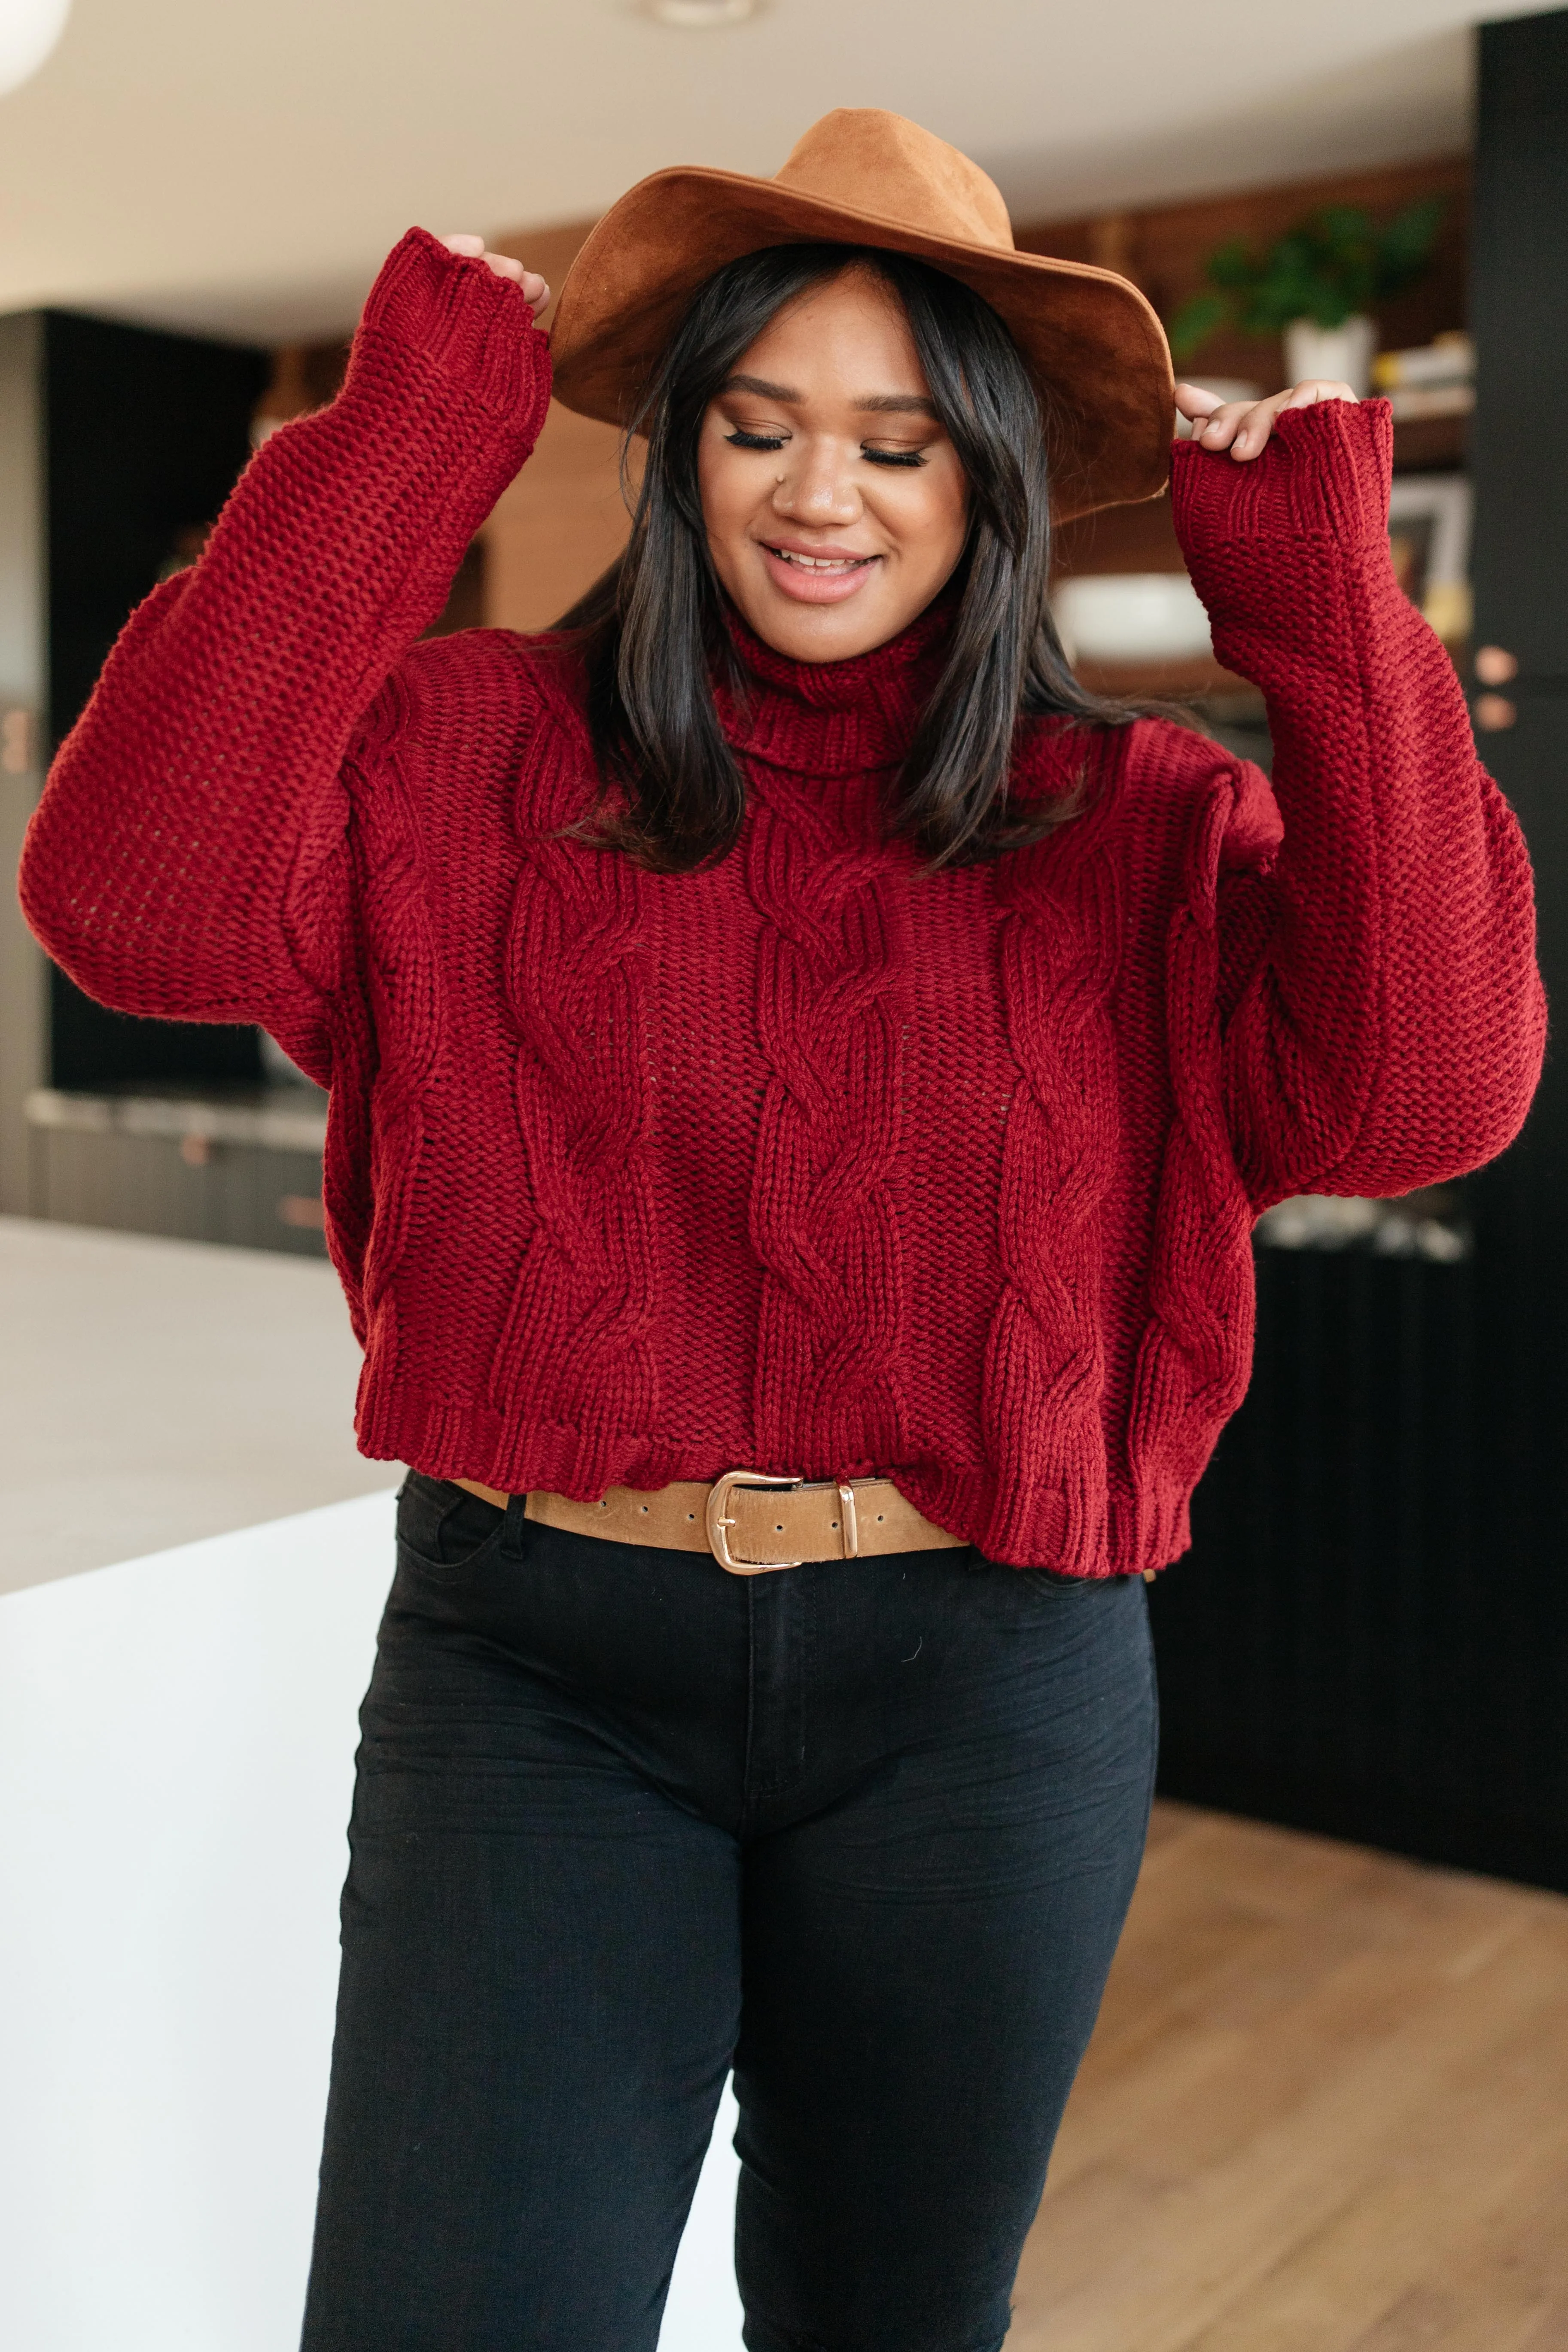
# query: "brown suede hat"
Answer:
x=860 y=176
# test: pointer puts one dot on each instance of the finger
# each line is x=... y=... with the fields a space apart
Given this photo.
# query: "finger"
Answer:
x=535 y=289
x=1219 y=428
x=1253 y=429
x=471 y=246
x=504 y=265
x=1192 y=401
x=1316 y=388
x=1253 y=435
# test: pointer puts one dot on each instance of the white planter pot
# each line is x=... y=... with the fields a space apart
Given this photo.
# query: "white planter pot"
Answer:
x=1338 y=354
x=1131 y=616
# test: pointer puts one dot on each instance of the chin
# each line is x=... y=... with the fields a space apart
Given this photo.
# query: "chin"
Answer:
x=805 y=636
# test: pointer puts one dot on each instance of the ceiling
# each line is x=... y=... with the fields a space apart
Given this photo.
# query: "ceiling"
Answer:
x=238 y=169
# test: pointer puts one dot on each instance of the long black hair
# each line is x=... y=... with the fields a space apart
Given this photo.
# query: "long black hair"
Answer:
x=652 y=627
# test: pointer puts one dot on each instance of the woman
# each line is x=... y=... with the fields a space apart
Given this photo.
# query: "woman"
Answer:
x=803 y=1075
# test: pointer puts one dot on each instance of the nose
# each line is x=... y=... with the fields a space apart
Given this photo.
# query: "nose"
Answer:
x=817 y=486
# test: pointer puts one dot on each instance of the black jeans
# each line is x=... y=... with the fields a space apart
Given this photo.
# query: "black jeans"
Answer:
x=867 y=1831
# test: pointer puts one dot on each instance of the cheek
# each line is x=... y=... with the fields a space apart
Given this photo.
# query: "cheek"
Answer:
x=934 y=521
x=727 y=491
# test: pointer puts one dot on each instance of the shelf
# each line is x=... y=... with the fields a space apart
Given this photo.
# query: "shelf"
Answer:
x=272 y=1118
x=1195 y=680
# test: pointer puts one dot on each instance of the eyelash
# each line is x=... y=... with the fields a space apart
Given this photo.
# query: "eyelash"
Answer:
x=741 y=440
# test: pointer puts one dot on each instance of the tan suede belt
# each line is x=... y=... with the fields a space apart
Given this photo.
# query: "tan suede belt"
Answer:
x=749 y=1521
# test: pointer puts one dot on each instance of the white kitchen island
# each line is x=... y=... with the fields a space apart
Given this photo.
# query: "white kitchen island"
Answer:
x=176 y=1744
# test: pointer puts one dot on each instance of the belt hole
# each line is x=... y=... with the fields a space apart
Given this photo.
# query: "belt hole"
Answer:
x=878 y=1518
x=833 y=1523
x=778 y=1527
x=691 y=1515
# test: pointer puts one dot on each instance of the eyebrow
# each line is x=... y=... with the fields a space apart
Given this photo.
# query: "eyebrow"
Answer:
x=875 y=404
x=898 y=403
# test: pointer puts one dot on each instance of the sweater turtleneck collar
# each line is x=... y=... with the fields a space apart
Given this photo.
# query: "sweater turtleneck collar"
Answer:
x=833 y=717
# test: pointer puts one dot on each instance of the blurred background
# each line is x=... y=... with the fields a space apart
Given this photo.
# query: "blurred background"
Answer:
x=1369 y=1646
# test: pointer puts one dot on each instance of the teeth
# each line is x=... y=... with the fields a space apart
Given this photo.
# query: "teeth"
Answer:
x=821 y=562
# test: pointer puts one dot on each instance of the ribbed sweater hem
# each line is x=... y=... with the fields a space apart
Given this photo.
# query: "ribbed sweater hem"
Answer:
x=463 y=1437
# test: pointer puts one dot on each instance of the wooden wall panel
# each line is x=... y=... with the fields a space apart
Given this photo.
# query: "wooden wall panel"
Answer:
x=563 y=519
x=558 y=526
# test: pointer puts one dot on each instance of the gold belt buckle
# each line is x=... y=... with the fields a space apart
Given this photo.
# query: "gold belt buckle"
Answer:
x=718 y=1523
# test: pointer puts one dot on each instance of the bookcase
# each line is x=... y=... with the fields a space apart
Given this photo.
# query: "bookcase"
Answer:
x=1164 y=249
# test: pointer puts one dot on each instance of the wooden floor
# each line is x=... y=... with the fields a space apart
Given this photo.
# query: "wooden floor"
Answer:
x=1326 y=2110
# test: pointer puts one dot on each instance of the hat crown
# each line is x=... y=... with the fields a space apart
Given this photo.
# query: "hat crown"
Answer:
x=874 y=162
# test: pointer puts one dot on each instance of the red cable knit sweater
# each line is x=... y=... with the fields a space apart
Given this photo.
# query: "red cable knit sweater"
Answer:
x=808 y=1162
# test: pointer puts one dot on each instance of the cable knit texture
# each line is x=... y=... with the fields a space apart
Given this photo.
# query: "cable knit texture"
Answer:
x=809 y=1162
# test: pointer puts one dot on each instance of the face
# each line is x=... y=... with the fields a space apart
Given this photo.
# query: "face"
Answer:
x=836 y=505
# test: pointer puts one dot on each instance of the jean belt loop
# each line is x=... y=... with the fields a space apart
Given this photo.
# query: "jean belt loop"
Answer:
x=513 y=1535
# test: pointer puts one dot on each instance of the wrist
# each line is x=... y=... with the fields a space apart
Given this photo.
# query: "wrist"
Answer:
x=1324 y=474
x=461 y=319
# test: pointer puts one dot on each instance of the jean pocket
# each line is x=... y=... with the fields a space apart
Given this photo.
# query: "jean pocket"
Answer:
x=442 y=1528
x=1035 y=1588
x=1051 y=1584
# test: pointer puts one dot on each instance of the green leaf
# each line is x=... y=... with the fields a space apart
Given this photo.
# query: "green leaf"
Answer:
x=1405 y=246
x=1343 y=234
x=1195 y=322
x=1235 y=267
x=1325 y=269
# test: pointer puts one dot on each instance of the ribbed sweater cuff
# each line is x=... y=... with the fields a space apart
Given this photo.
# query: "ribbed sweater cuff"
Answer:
x=464 y=319
x=1324 y=474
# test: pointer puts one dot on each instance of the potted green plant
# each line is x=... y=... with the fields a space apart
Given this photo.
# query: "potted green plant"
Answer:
x=1316 y=286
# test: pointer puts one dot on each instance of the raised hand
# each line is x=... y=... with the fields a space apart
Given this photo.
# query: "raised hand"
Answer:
x=535 y=292
x=1243 y=426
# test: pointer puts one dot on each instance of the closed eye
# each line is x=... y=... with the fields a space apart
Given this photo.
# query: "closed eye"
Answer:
x=741 y=439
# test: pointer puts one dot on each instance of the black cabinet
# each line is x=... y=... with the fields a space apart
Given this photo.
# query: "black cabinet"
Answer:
x=1371 y=1636
x=242 y=1165
x=118 y=447
x=145 y=436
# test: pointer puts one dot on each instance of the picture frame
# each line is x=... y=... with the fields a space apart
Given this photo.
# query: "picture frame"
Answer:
x=1429 y=521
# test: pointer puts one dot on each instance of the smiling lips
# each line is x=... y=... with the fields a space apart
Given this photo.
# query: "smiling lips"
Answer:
x=823 y=575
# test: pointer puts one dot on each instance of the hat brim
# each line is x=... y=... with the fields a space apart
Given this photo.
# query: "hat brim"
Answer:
x=1092 y=343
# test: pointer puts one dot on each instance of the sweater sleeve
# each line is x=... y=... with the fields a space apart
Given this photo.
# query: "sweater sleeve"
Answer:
x=187 y=856
x=1384 y=1020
